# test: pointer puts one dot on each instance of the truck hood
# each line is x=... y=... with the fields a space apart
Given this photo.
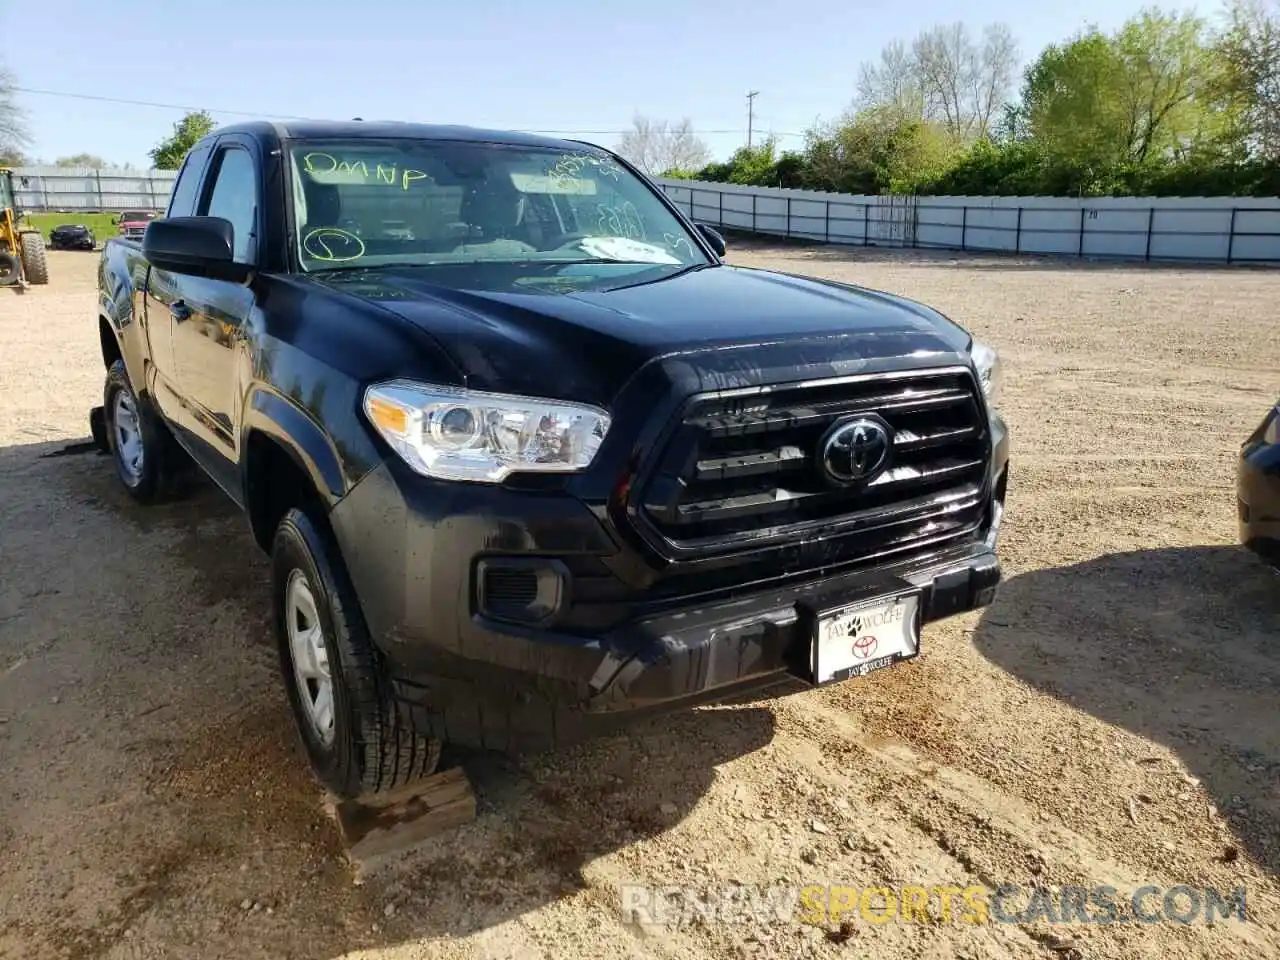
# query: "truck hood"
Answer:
x=718 y=326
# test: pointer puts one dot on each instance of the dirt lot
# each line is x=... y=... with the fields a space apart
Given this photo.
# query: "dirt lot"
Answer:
x=1112 y=719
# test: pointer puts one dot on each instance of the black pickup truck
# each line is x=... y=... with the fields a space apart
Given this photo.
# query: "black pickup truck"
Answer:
x=528 y=457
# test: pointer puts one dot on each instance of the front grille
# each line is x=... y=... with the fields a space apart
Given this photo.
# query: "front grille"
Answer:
x=744 y=468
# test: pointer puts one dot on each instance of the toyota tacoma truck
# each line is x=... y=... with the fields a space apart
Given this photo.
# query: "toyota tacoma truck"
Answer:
x=541 y=462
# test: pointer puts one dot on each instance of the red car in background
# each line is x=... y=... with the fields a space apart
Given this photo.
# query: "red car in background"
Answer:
x=133 y=223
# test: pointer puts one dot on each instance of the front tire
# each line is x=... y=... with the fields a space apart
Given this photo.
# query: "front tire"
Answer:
x=356 y=740
x=140 y=444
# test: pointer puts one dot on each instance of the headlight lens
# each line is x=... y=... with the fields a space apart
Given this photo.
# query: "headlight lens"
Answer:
x=990 y=373
x=454 y=434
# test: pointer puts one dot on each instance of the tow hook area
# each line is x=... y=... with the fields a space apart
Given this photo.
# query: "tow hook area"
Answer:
x=98 y=427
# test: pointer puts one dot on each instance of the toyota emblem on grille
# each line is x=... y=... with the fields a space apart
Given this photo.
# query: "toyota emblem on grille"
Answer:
x=856 y=450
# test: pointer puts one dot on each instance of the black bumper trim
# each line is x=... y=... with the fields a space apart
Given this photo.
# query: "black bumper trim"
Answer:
x=680 y=659
x=691 y=653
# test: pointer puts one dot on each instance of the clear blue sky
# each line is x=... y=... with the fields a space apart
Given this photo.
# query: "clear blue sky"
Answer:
x=558 y=65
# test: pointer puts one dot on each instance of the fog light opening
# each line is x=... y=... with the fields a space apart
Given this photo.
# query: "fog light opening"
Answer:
x=528 y=590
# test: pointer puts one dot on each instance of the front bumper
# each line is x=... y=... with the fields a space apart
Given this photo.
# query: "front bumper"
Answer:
x=674 y=661
x=459 y=675
x=768 y=636
x=1258 y=491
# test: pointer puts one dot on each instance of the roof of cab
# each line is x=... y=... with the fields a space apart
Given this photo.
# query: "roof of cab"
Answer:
x=386 y=129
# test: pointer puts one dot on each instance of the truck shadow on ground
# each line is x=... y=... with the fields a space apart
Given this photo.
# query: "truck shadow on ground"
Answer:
x=1180 y=646
x=224 y=841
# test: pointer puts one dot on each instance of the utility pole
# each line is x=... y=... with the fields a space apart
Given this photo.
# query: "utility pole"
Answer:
x=751 y=103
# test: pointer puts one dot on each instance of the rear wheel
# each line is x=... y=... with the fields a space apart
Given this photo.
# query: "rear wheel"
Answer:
x=35 y=264
x=10 y=269
x=140 y=444
x=355 y=738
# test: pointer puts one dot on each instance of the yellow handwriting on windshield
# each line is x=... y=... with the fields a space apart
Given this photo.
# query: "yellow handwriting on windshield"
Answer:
x=391 y=175
x=332 y=245
x=571 y=165
x=623 y=221
x=677 y=244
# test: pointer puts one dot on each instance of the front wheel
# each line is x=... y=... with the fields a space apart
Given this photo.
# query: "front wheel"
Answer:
x=355 y=738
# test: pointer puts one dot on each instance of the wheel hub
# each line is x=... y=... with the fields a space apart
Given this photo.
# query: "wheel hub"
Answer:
x=310 y=656
x=129 y=451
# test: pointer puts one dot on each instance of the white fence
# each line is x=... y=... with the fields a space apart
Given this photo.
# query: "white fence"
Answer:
x=84 y=189
x=1227 y=229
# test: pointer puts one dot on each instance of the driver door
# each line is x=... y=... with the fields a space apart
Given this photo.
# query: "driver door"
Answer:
x=209 y=318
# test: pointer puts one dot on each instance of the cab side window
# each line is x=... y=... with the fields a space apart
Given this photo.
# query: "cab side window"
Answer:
x=182 y=203
x=235 y=198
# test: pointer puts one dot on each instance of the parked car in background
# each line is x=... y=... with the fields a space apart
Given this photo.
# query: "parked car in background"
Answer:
x=1258 y=489
x=72 y=236
x=541 y=461
x=133 y=223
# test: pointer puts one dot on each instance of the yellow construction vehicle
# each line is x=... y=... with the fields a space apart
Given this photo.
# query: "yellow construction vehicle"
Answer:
x=22 y=255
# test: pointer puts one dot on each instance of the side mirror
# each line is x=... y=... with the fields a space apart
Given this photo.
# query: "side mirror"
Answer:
x=199 y=246
x=712 y=236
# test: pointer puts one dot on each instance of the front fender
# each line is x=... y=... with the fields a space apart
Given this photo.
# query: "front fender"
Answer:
x=279 y=418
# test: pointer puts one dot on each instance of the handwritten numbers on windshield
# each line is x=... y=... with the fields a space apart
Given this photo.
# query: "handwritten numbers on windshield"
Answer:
x=331 y=245
x=571 y=165
x=622 y=221
x=391 y=175
x=679 y=245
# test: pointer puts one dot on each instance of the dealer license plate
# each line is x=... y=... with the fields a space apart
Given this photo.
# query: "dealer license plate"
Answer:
x=857 y=639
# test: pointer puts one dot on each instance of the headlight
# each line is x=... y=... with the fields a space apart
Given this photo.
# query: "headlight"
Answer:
x=990 y=374
x=454 y=434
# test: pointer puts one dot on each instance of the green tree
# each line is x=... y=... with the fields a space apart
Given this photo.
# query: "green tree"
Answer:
x=1141 y=94
x=877 y=150
x=1249 y=78
x=755 y=166
x=169 y=153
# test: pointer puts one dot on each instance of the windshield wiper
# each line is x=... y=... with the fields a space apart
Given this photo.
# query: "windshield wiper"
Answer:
x=577 y=260
x=688 y=268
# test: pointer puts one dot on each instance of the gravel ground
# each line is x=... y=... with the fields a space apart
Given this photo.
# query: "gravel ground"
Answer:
x=1110 y=720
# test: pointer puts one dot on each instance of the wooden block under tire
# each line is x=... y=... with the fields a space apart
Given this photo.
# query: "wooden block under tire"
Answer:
x=393 y=823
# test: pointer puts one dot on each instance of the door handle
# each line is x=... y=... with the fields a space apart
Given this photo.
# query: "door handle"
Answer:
x=180 y=311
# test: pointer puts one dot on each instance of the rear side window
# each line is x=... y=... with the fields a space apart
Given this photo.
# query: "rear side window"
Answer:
x=183 y=201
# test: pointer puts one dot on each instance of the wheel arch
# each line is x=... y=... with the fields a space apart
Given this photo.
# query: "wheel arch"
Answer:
x=109 y=341
x=286 y=461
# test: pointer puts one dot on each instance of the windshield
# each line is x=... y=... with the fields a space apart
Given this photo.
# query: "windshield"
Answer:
x=368 y=203
x=6 y=199
x=133 y=216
